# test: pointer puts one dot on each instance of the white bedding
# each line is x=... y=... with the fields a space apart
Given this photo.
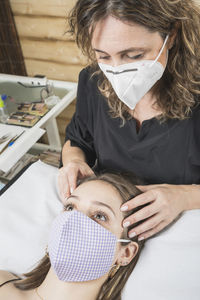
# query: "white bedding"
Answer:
x=169 y=266
x=27 y=209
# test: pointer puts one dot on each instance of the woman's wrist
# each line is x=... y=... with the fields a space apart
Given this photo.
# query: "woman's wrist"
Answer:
x=72 y=160
x=192 y=196
x=72 y=154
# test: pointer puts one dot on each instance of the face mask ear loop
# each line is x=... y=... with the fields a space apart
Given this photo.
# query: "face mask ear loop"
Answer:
x=123 y=241
x=161 y=50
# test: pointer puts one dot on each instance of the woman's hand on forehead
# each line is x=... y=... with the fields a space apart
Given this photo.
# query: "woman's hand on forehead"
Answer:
x=165 y=201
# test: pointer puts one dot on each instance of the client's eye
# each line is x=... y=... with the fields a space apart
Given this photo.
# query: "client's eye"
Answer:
x=99 y=216
x=69 y=207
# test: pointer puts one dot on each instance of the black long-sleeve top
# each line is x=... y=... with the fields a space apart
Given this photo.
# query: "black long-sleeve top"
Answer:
x=166 y=152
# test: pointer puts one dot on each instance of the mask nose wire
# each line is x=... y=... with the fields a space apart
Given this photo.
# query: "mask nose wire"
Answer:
x=161 y=50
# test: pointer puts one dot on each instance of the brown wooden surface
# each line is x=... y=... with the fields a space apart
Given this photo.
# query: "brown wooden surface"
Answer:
x=64 y=52
x=42 y=27
x=56 y=71
x=45 y=7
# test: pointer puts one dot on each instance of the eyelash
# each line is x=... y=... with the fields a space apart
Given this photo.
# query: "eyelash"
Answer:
x=95 y=213
x=130 y=57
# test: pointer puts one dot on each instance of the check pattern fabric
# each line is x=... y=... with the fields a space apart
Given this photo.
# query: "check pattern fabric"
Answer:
x=79 y=248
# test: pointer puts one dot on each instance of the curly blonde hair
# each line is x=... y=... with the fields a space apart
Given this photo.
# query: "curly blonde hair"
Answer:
x=178 y=91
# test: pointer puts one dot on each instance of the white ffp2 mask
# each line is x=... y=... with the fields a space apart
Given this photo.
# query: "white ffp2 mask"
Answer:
x=133 y=80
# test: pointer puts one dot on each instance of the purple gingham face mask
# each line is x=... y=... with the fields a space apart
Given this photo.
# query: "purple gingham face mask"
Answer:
x=79 y=248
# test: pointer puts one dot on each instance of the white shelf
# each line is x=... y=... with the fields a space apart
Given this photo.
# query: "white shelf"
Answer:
x=46 y=124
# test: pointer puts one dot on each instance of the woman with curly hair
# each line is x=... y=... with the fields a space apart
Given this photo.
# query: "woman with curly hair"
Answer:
x=138 y=104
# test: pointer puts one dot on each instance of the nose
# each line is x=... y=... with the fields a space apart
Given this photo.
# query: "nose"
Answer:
x=116 y=62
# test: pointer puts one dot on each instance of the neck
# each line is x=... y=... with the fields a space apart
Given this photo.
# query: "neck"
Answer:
x=145 y=109
x=52 y=288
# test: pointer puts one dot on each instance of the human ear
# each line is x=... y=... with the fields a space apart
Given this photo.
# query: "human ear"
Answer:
x=127 y=253
x=172 y=36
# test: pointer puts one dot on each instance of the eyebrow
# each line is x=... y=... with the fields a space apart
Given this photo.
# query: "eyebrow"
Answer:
x=132 y=49
x=106 y=205
x=94 y=202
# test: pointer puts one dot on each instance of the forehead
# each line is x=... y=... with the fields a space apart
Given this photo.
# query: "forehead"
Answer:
x=98 y=190
x=112 y=33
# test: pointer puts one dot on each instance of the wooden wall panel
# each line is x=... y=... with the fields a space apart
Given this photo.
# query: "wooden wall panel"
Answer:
x=53 y=70
x=43 y=27
x=55 y=51
x=44 y=7
x=43 y=40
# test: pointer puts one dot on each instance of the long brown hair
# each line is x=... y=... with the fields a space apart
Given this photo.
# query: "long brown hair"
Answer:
x=178 y=91
x=112 y=287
